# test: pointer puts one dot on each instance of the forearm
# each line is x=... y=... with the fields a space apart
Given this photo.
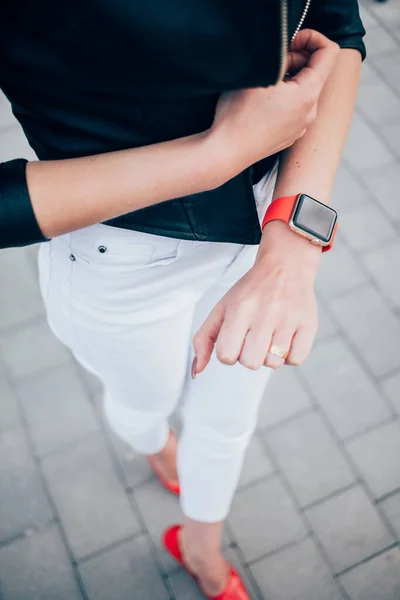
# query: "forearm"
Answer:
x=70 y=194
x=310 y=164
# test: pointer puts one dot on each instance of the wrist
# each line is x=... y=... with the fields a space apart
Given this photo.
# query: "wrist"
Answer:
x=222 y=158
x=279 y=244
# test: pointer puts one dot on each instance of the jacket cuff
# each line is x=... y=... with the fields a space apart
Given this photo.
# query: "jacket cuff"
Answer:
x=18 y=224
x=356 y=43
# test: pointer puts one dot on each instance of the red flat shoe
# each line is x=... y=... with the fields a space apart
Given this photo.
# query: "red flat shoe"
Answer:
x=234 y=589
x=169 y=485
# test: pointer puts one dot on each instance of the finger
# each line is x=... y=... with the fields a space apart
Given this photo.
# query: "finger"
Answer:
x=205 y=338
x=322 y=56
x=301 y=346
x=231 y=336
x=296 y=61
x=255 y=345
x=282 y=340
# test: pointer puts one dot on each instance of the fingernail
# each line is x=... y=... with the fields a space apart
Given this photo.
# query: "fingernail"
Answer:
x=194 y=366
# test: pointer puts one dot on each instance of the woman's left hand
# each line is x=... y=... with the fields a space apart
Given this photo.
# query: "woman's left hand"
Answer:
x=274 y=304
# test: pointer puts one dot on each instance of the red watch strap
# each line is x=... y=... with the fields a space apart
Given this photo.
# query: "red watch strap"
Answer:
x=280 y=209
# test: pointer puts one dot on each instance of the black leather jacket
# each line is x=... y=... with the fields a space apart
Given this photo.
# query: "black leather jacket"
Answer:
x=90 y=77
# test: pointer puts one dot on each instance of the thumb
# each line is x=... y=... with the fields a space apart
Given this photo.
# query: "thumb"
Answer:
x=204 y=340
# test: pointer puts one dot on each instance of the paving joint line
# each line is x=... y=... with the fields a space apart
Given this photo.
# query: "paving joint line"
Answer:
x=387 y=496
x=342 y=446
x=108 y=548
x=311 y=533
x=50 y=500
x=367 y=559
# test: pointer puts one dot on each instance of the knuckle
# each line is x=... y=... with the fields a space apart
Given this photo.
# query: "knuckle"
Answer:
x=295 y=361
x=245 y=305
x=311 y=116
x=274 y=365
x=198 y=338
x=225 y=357
x=250 y=364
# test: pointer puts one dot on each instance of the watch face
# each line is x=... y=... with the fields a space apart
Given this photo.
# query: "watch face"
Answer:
x=314 y=218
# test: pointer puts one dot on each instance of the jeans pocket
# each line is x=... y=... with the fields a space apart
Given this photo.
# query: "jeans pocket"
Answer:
x=119 y=255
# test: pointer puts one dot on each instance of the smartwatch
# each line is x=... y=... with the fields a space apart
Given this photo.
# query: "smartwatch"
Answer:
x=306 y=216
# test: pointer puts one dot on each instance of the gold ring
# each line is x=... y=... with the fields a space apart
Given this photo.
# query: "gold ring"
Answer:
x=276 y=351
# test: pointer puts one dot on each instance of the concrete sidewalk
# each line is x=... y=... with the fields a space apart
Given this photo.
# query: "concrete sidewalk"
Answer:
x=317 y=515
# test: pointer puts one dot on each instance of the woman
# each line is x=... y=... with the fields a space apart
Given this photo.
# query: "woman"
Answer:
x=129 y=106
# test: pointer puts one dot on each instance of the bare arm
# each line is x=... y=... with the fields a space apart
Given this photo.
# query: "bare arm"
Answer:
x=74 y=193
x=274 y=303
x=310 y=165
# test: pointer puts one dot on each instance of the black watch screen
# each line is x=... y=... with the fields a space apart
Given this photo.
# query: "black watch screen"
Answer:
x=314 y=218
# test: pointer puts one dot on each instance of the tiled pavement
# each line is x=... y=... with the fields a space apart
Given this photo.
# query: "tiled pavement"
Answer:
x=317 y=515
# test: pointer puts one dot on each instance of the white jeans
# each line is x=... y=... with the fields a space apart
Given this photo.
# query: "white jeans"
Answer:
x=127 y=304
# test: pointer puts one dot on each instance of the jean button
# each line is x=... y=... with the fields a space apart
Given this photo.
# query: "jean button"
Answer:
x=102 y=249
x=72 y=257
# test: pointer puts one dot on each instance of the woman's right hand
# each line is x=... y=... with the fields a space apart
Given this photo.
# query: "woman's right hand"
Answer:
x=254 y=123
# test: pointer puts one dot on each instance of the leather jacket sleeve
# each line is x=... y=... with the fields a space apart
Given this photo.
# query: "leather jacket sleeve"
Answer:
x=340 y=21
x=18 y=225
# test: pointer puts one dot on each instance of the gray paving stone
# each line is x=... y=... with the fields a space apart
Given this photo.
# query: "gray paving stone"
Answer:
x=391 y=508
x=124 y=573
x=135 y=466
x=8 y=403
x=14 y=144
x=91 y=501
x=377 y=100
x=372 y=328
x=20 y=299
x=368 y=73
x=23 y=503
x=377 y=456
x=348 y=528
x=285 y=397
x=159 y=509
x=326 y=327
x=377 y=579
x=388 y=12
x=184 y=586
x=310 y=458
x=93 y=383
x=37 y=568
x=391 y=387
x=389 y=66
x=379 y=41
x=366 y=229
x=384 y=184
x=256 y=463
x=347 y=193
x=32 y=349
x=343 y=389
x=274 y=521
x=364 y=149
x=296 y=573
x=391 y=134
x=57 y=409
x=338 y=273
x=368 y=19
x=383 y=265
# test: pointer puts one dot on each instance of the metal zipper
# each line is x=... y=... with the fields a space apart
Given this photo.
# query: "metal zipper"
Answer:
x=285 y=36
x=303 y=16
